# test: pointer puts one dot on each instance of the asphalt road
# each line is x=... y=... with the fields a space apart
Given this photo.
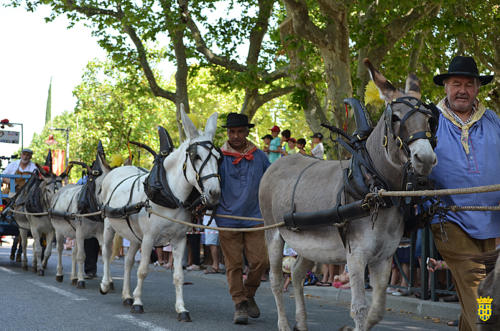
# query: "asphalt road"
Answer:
x=32 y=302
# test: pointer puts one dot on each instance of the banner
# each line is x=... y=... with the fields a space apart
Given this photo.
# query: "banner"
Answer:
x=9 y=137
x=58 y=156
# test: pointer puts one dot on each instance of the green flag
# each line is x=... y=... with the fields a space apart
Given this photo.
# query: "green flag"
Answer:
x=48 y=115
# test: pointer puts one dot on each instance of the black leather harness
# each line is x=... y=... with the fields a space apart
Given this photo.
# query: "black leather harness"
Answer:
x=362 y=177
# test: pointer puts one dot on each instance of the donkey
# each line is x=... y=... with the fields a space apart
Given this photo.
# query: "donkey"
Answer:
x=65 y=204
x=36 y=198
x=311 y=185
x=190 y=168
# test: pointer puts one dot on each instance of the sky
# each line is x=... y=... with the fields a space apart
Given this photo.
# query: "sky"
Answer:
x=32 y=53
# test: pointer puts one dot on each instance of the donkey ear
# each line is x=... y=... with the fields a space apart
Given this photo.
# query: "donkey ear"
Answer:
x=387 y=91
x=211 y=125
x=412 y=87
x=101 y=158
x=189 y=128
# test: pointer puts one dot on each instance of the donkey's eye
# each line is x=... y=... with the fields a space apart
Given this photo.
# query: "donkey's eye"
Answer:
x=197 y=157
x=395 y=118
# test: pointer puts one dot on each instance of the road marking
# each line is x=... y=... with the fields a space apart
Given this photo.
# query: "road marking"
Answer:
x=57 y=290
x=8 y=271
x=141 y=324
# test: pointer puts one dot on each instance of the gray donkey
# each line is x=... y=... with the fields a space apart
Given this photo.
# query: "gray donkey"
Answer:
x=303 y=184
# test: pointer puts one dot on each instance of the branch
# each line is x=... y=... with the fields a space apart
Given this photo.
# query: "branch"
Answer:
x=92 y=11
x=201 y=45
x=277 y=74
x=259 y=30
x=302 y=24
x=155 y=88
x=89 y=10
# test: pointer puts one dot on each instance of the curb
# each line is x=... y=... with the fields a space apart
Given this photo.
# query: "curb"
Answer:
x=418 y=307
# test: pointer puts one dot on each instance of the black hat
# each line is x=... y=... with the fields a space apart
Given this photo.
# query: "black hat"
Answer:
x=235 y=120
x=267 y=136
x=317 y=135
x=462 y=66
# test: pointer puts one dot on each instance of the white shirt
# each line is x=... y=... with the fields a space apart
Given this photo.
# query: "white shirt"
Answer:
x=318 y=151
x=13 y=166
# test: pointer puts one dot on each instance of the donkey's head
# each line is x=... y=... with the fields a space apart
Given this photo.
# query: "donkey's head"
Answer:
x=51 y=183
x=410 y=125
x=201 y=161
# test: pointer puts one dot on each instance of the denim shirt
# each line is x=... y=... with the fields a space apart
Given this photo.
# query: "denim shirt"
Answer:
x=240 y=189
x=481 y=166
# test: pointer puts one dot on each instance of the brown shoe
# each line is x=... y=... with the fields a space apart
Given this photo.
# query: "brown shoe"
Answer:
x=241 y=313
x=253 y=309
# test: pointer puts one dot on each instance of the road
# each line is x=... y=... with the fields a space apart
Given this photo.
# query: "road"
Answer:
x=32 y=302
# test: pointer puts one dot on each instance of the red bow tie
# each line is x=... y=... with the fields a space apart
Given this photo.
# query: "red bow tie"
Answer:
x=238 y=156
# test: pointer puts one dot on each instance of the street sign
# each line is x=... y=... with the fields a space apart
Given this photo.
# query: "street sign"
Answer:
x=9 y=137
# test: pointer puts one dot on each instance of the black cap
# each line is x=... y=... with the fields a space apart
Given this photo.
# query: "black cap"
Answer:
x=462 y=66
x=235 y=120
x=267 y=136
x=317 y=135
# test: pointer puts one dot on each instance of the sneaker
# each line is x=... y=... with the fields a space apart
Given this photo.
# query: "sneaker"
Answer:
x=253 y=309
x=241 y=313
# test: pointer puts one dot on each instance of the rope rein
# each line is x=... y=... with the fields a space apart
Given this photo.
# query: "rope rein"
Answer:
x=381 y=193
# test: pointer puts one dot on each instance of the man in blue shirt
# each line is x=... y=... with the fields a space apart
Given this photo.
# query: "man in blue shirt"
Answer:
x=468 y=154
x=241 y=170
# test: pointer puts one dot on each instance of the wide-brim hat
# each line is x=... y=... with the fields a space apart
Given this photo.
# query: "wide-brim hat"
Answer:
x=462 y=66
x=235 y=120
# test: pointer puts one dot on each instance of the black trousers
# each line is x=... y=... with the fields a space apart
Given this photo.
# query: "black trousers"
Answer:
x=91 y=247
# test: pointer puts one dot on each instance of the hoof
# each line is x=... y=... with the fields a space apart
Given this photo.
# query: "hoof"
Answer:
x=25 y=267
x=346 y=328
x=80 y=284
x=128 y=302
x=296 y=328
x=74 y=281
x=111 y=286
x=59 y=278
x=101 y=291
x=41 y=272
x=137 y=309
x=184 y=317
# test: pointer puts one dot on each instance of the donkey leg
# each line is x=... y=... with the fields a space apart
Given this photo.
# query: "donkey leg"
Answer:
x=142 y=272
x=60 y=244
x=48 y=249
x=275 y=251
x=299 y=271
x=24 y=244
x=73 y=277
x=37 y=250
x=129 y=263
x=100 y=239
x=80 y=256
x=178 y=249
x=107 y=241
x=379 y=277
x=359 y=308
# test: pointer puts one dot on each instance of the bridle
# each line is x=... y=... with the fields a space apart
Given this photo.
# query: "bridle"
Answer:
x=419 y=107
x=192 y=155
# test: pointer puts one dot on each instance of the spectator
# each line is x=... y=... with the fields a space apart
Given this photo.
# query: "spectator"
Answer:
x=241 y=171
x=289 y=257
x=285 y=135
x=301 y=144
x=317 y=149
x=212 y=241
x=267 y=141
x=275 y=146
x=291 y=146
x=328 y=272
x=467 y=155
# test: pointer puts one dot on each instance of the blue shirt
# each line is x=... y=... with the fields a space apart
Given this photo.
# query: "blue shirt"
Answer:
x=275 y=145
x=456 y=169
x=240 y=190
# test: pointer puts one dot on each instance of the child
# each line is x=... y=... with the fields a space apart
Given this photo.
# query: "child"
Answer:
x=291 y=146
x=267 y=141
x=301 y=144
x=288 y=261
